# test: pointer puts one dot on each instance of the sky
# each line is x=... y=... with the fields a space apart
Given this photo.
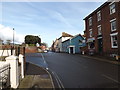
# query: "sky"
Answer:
x=44 y=19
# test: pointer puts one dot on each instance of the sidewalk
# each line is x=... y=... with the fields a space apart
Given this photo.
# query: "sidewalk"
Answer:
x=102 y=58
x=36 y=78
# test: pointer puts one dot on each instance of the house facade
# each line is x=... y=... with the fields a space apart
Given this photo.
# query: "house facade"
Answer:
x=55 y=46
x=65 y=46
x=73 y=44
x=103 y=29
x=65 y=36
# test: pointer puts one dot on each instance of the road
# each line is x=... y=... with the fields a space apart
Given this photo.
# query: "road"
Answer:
x=75 y=71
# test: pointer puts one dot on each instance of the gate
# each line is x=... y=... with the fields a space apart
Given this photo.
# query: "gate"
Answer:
x=5 y=76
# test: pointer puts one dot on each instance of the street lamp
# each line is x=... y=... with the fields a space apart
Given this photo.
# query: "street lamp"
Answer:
x=13 y=38
x=12 y=48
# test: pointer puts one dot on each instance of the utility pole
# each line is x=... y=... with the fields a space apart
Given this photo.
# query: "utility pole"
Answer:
x=13 y=38
x=12 y=48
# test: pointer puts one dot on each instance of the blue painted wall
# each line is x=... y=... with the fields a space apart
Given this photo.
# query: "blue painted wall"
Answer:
x=75 y=41
x=65 y=46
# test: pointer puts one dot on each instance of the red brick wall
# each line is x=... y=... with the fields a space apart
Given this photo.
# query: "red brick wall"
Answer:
x=31 y=49
x=105 y=22
x=105 y=25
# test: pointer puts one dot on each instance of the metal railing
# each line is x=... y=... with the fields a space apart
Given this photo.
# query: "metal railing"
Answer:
x=5 y=76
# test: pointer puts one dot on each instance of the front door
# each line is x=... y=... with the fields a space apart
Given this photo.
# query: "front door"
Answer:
x=100 y=45
x=71 y=50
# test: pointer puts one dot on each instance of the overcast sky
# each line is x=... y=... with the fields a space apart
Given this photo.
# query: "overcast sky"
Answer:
x=47 y=19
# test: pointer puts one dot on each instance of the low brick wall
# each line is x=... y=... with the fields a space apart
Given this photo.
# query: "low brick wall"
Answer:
x=31 y=49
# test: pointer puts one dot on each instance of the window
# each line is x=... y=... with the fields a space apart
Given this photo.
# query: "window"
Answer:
x=90 y=21
x=99 y=16
x=90 y=32
x=112 y=8
x=114 y=42
x=113 y=24
x=91 y=45
x=99 y=30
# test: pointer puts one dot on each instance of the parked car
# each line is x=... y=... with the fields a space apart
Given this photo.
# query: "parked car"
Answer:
x=45 y=51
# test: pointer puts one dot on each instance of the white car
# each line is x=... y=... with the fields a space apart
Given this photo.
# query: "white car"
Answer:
x=45 y=51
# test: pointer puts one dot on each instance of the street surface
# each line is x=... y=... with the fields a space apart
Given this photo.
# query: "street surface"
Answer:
x=75 y=71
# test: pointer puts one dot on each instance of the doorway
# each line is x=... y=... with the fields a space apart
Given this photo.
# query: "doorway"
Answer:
x=100 y=45
x=71 y=49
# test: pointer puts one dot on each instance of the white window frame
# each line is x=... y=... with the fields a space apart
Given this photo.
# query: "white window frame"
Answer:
x=90 y=30
x=114 y=34
x=99 y=26
x=98 y=17
x=90 y=21
x=111 y=8
x=111 y=24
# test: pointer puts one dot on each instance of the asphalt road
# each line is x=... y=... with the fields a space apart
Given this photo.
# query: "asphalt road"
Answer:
x=75 y=71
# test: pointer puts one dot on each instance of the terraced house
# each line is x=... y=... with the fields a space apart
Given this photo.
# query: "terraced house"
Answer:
x=103 y=29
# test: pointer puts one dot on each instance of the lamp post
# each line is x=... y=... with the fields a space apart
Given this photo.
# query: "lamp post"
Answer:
x=13 y=38
x=13 y=44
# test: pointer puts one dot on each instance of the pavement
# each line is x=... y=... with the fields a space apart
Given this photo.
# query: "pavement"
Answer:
x=36 y=78
x=102 y=58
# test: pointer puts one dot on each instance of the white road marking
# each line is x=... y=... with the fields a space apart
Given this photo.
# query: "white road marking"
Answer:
x=56 y=76
x=110 y=78
x=44 y=61
x=58 y=81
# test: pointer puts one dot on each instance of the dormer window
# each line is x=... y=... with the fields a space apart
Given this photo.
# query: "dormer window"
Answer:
x=90 y=21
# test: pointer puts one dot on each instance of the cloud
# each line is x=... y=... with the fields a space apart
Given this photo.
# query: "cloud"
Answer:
x=6 y=33
x=54 y=0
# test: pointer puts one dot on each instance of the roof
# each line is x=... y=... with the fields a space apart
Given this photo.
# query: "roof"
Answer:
x=66 y=40
x=65 y=35
x=99 y=8
x=72 y=37
x=77 y=35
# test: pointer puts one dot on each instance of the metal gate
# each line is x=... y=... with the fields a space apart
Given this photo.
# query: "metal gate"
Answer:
x=5 y=76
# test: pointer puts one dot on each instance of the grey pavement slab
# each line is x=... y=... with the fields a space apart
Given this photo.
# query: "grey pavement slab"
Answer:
x=36 y=77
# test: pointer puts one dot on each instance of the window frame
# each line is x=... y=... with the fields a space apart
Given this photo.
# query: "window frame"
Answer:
x=114 y=34
x=99 y=17
x=99 y=26
x=111 y=24
x=90 y=34
x=111 y=9
x=90 y=21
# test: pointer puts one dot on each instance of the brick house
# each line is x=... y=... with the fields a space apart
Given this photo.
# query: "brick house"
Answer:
x=103 y=29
